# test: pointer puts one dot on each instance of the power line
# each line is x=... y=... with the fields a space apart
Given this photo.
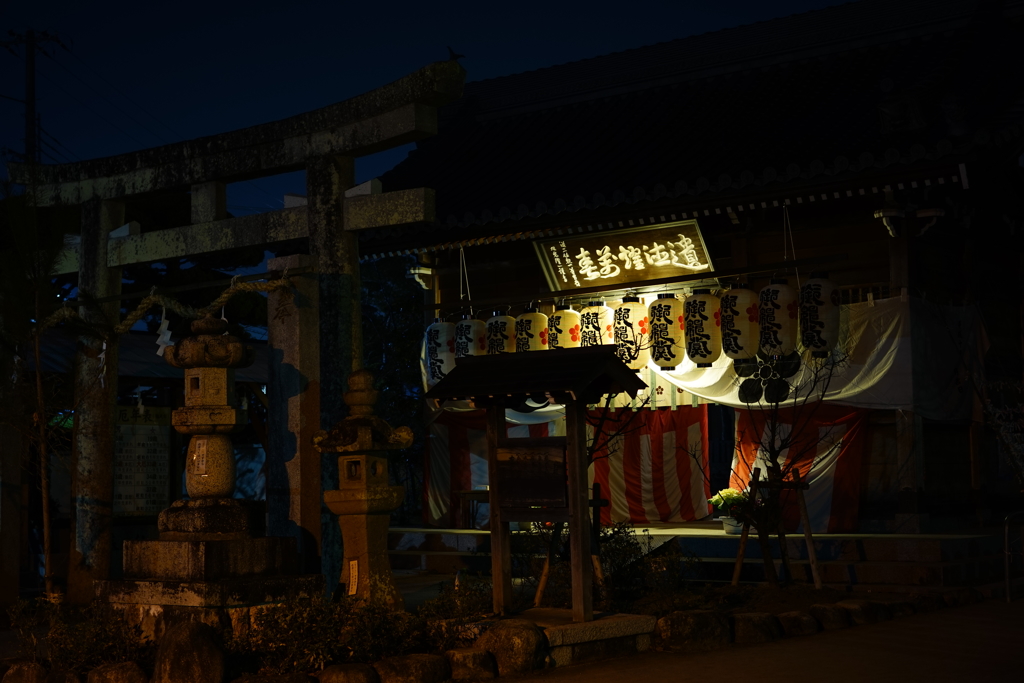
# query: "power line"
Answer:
x=55 y=151
x=147 y=112
x=58 y=143
x=158 y=136
x=32 y=42
x=93 y=110
x=122 y=94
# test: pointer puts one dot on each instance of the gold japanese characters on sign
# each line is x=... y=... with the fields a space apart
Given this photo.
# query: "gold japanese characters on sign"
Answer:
x=617 y=257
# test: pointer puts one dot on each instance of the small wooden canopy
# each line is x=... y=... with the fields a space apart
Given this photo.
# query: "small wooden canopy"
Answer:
x=573 y=378
x=565 y=374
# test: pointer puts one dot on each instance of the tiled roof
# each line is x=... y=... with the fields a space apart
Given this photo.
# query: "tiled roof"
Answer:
x=813 y=98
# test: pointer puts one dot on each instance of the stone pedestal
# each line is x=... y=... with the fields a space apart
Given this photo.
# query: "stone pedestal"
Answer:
x=211 y=564
x=363 y=504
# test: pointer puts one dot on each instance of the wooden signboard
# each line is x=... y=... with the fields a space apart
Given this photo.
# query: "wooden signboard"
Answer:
x=532 y=477
x=620 y=257
x=142 y=452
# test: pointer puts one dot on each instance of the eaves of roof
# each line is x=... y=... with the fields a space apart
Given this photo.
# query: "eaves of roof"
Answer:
x=872 y=110
x=639 y=210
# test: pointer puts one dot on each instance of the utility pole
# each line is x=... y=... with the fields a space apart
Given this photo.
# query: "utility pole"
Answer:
x=32 y=41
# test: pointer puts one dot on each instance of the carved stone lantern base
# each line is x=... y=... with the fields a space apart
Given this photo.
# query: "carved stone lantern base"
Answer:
x=212 y=564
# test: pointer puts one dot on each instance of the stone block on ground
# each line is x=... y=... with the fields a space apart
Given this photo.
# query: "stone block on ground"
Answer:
x=863 y=611
x=927 y=602
x=964 y=596
x=122 y=672
x=798 y=624
x=25 y=672
x=518 y=646
x=600 y=649
x=471 y=664
x=413 y=669
x=349 y=673
x=606 y=628
x=189 y=653
x=461 y=632
x=900 y=608
x=694 y=630
x=755 y=627
x=831 y=617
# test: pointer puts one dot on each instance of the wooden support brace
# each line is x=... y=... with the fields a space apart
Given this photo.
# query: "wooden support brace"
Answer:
x=745 y=535
x=808 y=538
x=741 y=554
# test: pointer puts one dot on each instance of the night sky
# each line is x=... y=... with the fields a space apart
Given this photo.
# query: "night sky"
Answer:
x=141 y=74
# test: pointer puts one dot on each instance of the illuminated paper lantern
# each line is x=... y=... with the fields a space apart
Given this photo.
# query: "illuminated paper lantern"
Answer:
x=500 y=332
x=440 y=350
x=632 y=343
x=531 y=331
x=470 y=337
x=741 y=333
x=564 y=328
x=596 y=323
x=666 y=325
x=777 y=312
x=819 y=315
x=703 y=332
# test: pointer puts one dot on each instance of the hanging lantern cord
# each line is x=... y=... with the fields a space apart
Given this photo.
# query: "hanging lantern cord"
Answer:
x=787 y=233
x=464 y=276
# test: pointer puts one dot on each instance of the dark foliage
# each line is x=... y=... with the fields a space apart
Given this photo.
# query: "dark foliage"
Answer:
x=77 y=639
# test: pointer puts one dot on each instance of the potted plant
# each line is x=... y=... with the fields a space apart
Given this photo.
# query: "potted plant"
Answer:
x=730 y=503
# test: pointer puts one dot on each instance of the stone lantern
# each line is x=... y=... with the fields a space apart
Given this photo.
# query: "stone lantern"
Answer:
x=364 y=498
x=212 y=561
x=209 y=359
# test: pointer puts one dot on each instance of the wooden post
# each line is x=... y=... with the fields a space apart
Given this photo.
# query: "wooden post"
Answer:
x=752 y=491
x=741 y=554
x=770 y=574
x=501 y=550
x=808 y=538
x=781 y=532
x=579 y=511
x=542 y=584
x=597 y=502
x=11 y=547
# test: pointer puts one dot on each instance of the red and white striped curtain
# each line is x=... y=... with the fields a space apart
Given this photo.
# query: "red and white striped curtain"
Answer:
x=651 y=464
x=827 y=451
x=654 y=467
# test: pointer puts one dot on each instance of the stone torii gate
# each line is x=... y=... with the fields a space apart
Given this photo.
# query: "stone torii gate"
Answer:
x=315 y=337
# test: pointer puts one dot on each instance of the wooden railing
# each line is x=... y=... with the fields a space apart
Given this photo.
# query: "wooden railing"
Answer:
x=860 y=293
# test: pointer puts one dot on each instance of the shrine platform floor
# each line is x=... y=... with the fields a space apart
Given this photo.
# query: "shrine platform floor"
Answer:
x=713 y=529
x=879 y=561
